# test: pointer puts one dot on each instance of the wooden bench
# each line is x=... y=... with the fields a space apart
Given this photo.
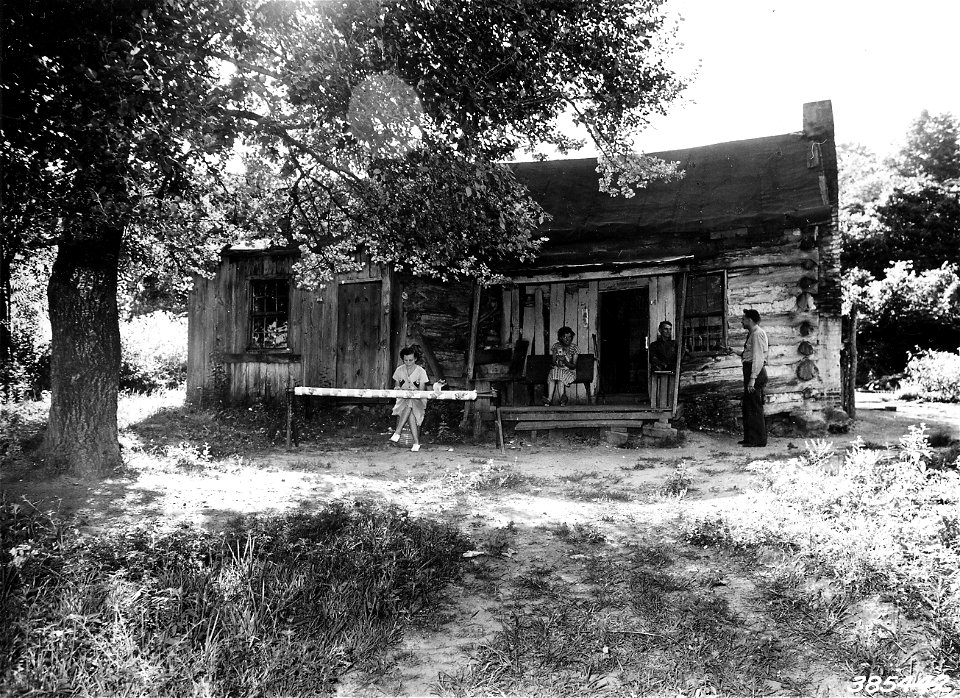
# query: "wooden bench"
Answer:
x=467 y=396
x=538 y=368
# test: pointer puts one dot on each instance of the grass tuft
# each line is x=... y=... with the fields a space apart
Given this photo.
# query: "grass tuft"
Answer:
x=273 y=606
x=867 y=524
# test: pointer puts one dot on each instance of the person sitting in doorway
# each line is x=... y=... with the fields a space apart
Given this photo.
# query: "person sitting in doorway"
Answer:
x=663 y=350
x=564 y=369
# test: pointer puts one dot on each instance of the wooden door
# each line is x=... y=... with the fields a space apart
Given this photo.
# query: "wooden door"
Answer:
x=358 y=335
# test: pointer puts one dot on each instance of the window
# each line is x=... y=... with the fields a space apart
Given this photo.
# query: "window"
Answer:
x=269 y=313
x=705 y=318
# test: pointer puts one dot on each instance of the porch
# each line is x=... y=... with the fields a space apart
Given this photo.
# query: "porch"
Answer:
x=649 y=421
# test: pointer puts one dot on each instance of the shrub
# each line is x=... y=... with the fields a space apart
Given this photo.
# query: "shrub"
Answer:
x=274 y=606
x=154 y=351
x=935 y=375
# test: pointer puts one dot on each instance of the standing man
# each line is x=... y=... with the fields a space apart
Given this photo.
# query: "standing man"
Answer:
x=755 y=352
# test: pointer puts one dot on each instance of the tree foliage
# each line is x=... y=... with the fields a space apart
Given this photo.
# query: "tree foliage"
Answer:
x=932 y=148
x=903 y=310
x=900 y=226
x=376 y=127
x=393 y=118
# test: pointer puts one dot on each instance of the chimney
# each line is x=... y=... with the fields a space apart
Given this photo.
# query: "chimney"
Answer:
x=818 y=120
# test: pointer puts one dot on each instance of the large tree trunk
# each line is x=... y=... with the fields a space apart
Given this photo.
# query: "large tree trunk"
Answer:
x=85 y=356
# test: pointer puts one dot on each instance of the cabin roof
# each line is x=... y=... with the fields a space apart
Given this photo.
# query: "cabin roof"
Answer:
x=726 y=185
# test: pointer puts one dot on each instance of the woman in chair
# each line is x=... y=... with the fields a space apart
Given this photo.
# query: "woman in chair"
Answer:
x=564 y=369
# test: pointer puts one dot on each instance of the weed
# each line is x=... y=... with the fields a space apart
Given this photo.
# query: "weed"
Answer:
x=641 y=464
x=678 y=483
x=869 y=522
x=275 y=605
x=492 y=476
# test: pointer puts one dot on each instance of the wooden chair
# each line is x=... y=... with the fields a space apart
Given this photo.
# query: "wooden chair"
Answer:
x=538 y=368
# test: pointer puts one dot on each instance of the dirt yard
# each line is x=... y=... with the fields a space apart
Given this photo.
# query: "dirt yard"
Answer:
x=554 y=520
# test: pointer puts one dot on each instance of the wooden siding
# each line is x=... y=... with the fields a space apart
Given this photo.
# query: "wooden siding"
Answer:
x=221 y=365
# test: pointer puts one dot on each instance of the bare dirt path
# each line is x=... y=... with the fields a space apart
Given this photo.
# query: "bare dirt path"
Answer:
x=556 y=525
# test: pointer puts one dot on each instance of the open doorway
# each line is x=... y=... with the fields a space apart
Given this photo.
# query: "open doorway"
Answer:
x=623 y=326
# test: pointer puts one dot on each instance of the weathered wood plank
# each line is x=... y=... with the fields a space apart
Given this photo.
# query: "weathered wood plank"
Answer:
x=557 y=302
x=261 y=358
x=456 y=395
x=538 y=346
x=383 y=368
x=576 y=393
x=505 y=317
x=583 y=416
x=599 y=424
x=528 y=313
x=583 y=409
x=515 y=310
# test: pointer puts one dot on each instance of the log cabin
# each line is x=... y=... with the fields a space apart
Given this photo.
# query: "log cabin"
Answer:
x=749 y=224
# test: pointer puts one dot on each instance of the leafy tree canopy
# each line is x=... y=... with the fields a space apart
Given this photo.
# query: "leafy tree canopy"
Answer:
x=906 y=209
x=386 y=120
x=932 y=148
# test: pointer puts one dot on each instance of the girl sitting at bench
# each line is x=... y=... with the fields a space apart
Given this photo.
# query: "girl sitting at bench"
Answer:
x=564 y=370
x=410 y=376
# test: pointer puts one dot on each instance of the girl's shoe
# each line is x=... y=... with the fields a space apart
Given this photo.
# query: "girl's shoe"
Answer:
x=563 y=401
x=415 y=448
x=395 y=438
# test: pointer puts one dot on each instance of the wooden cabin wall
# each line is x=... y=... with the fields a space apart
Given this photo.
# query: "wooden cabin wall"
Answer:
x=437 y=315
x=221 y=367
x=202 y=312
x=777 y=276
x=776 y=272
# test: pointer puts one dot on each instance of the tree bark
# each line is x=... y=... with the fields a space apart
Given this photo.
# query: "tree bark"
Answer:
x=6 y=334
x=82 y=436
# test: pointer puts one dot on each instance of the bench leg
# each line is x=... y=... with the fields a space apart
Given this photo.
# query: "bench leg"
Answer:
x=500 y=444
x=589 y=397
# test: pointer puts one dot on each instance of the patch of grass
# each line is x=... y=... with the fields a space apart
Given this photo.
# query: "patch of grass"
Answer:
x=643 y=631
x=867 y=524
x=601 y=493
x=491 y=476
x=580 y=476
x=274 y=605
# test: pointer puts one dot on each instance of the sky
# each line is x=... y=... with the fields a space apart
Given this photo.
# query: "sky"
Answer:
x=879 y=62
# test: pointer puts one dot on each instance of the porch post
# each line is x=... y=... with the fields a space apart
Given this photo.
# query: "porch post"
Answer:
x=676 y=371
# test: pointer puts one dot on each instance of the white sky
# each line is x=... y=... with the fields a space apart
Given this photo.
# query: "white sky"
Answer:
x=880 y=62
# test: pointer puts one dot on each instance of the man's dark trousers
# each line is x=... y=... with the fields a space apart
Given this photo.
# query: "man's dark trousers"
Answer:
x=754 y=426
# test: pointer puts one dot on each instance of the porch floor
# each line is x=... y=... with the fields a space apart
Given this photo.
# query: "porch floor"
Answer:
x=534 y=417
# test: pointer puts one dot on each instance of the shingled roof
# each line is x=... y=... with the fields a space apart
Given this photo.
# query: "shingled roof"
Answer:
x=727 y=185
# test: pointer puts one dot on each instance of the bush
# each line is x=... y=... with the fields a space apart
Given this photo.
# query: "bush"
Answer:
x=274 y=606
x=935 y=375
x=154 y=352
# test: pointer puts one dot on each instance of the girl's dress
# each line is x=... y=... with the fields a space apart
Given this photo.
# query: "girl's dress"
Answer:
x=416 y=380
x=560 y=372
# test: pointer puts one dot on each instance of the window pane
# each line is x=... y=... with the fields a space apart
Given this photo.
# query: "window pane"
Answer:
x=703 y=325
x=269 y=313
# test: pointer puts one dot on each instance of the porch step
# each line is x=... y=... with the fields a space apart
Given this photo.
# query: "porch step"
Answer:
x=585 y=411
x=578 y=424
x=644 y=416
